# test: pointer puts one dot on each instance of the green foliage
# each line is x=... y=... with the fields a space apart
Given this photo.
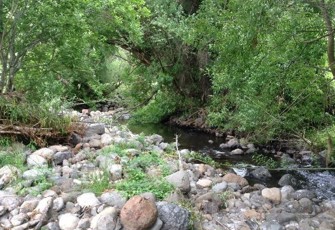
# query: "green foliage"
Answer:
x=195 y=216
x=14 y=111
x=225 y=196
x=205 y=159
x=15 y=158
x=39 y=185
x=138 y=184
x=137 y=181
x=5 y=142
x=257 y=67
x=98 y=183
x=263 y=160
x=158 y=109
x=260 y=85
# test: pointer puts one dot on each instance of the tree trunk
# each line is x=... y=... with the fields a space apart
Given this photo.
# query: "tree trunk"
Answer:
x=330 y=38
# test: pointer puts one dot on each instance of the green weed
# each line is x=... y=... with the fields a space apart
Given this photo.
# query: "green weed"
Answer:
x=262 y=160
x=98 y=182
x=5 y=142
x=137 y=181
x=205 y=159
x=14 y=158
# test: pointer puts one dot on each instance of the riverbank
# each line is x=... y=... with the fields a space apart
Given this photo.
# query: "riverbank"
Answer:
x=93 y=181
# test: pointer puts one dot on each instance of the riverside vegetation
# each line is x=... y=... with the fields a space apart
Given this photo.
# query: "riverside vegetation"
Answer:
x=261 y=71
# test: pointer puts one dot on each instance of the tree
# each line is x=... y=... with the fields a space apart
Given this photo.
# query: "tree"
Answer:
x=26 y=25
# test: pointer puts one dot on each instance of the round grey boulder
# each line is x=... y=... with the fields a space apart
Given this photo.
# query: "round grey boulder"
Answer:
x=173 y=216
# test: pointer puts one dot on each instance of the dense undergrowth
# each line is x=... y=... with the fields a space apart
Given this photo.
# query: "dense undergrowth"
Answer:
x=33 y=122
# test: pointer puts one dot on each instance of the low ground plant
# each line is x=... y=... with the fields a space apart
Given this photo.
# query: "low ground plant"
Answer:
x=137 y=180
x=263 y=160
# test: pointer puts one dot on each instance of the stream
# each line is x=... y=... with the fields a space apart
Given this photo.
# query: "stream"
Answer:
x=321 y=182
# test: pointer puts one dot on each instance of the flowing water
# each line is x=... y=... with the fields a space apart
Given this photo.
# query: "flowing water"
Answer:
x=322 y=182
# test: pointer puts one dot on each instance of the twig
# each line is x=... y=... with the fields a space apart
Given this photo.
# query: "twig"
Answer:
x=223 y=225
x=179 y=155
x=306 y=169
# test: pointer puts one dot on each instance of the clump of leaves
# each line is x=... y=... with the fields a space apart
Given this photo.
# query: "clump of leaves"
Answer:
x=98 y=182
x=40 y=184
x=225 y=196
x=14 y=158
x=205 y=159
x=263 y=160
x=137 y=181
x=5 y=142
x=195 y=215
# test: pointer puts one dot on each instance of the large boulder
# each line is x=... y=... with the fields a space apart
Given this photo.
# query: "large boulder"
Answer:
x=114 y=199
x=261 y=173
x=34 y=160
x=287 y=179
x=88 y=200
x=68 y=221
x=272 y=194
x=173 y=216
x=95 y=128
x=138 y=213
x=231 y=144
x=105 y=220
x=46 y=153
x=9 y=200
x=233 y=178
x=180 y=180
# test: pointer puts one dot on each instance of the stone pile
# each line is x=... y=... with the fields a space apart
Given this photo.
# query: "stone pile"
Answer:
x=215 y=199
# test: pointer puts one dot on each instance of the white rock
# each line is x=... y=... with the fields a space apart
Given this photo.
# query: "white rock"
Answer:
x=58 y=204
x=95 y=143
x=158 y=225
x=29 y=205
x=19 y=219
x=272 y=194
x=2 y=210
x=180 y=180
x=44 y=205
x=204 y=183
x=116 y=171
x=46 y=153
x=105 y=220
x=84 y=223
x=286 y=191
x=9 y=170
x=106 y=139
x=237 y=152
x=184 y=152
x=59 y=148
x=21 y=227
x=88 y=200
x=7 y=174
x=49 y=193
x=9 y=200
x=220 y=187
x=68 y=221
x=34 y=160
x=5 y=223
x=33 y=174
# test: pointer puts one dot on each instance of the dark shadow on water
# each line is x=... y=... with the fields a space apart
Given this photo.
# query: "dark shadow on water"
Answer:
x=188 y=138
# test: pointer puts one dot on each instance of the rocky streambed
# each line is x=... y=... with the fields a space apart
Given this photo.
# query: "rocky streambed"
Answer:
x=110 y=178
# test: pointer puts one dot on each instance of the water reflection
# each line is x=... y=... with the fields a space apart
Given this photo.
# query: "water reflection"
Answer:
x=188 y=138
